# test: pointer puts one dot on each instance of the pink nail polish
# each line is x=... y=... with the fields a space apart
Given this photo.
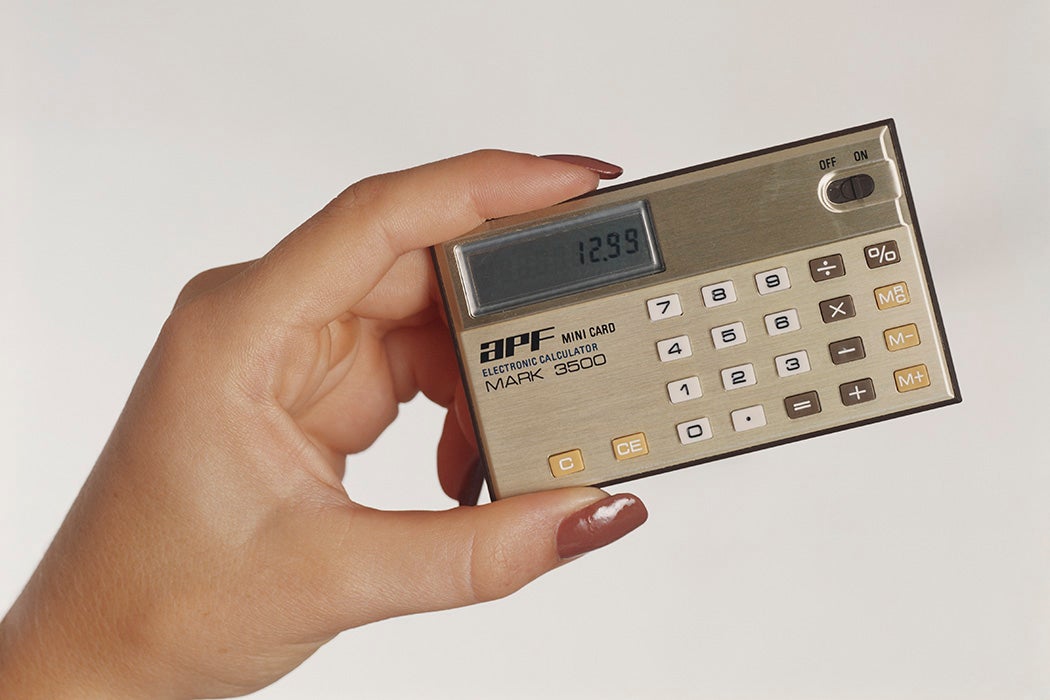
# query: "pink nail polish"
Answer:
x=606 y=171
x=599 y=524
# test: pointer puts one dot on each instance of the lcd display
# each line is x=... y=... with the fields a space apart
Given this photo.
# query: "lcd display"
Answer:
x=562 y=257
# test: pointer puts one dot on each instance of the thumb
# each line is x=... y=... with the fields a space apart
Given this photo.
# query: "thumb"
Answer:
x=409 y=562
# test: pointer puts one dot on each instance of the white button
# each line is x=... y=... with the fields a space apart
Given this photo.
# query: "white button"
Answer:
x=773 y=281
x=739 y=376
x=664 y=307
x=685 y=389
x=792 y=363
x=783 y=322
x=694 y=431
x=748 y=418
x=674 y=348
x=731 y=334
x=718 y=294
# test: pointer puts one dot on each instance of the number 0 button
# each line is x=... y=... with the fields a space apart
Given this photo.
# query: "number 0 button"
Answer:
x=694 y=431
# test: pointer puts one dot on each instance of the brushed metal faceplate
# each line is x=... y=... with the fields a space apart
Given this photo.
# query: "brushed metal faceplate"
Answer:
x=592 y=372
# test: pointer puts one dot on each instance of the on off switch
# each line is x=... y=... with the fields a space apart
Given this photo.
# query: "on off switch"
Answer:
x=849 y=189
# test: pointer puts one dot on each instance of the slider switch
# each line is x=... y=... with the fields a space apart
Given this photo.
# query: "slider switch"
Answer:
x=849 y=189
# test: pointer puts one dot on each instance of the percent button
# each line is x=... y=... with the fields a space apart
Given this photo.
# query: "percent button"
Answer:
x=882 y=254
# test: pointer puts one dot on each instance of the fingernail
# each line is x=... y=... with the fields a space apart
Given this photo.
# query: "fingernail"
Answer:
x=606 y=171
x=599 y=524
x=471 y=488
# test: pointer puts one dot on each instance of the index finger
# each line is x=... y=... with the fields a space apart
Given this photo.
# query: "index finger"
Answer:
x=333 y=260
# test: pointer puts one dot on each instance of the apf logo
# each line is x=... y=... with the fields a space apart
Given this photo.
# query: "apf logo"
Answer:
x=501 y=348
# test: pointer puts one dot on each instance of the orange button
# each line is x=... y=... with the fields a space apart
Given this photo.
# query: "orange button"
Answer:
x=565 y=463
x=891 y=295
x=901 y=337
x=630 y=446
x=912 y=378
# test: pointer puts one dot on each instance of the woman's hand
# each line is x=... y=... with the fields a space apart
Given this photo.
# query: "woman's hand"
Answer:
x=213 y=547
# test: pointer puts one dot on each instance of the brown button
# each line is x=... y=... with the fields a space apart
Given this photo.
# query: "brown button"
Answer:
x=837 y=309
x=855 y=392
x=848 y=350
x=630 y=446
x=901 y=337
x=801 y=405
x=826 y=268
x=911 y=378
x=882 y=254
x=565 y=463
x=892 y=295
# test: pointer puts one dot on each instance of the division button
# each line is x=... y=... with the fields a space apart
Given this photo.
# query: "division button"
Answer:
x=801 y=405
x=837 y=309
x=911 y=378
x=664 y=307
x=826 y=268
x=848 y=350
x=901 y=337
x=882 y=254
x=565 y=463
x=892 y=295
x=685 y=389
x=859 y=391
x=694 y=431
x=630 y=446
x=748 y=418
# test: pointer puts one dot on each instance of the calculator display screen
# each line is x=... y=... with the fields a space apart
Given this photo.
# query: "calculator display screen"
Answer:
x=558 y=258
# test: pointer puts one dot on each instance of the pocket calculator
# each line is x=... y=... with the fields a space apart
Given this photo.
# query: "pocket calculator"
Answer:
x=695 y=315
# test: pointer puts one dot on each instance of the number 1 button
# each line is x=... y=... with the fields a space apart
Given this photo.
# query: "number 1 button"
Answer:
x=685 y=389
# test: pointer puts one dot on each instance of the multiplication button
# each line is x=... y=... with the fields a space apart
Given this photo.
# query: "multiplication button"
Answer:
x=837 y=309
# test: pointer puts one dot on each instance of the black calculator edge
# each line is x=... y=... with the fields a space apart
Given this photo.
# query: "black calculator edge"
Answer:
x=956 y=398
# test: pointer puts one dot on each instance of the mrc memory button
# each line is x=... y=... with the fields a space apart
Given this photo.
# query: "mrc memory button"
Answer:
x=892 y=295
x=565 y=463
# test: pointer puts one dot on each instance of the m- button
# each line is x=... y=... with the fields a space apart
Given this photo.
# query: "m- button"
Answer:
x=565 y=463
x=630 y=446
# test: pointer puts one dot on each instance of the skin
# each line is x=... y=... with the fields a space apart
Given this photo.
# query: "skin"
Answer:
x=213 y=548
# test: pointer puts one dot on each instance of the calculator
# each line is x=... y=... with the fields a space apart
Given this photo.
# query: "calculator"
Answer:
x=695 y=315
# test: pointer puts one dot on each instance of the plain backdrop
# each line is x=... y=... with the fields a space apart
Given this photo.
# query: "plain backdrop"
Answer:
x=141 y=142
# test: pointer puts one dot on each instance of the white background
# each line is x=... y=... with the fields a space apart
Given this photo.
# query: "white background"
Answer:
x=141 y=142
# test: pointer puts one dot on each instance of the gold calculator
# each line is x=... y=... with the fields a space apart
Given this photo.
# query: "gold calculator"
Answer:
x=696 y=315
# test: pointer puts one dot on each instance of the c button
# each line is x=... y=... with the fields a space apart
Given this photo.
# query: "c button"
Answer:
x=565 y=463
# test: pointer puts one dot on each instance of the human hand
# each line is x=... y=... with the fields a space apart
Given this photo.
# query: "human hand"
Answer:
x=213 y=548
